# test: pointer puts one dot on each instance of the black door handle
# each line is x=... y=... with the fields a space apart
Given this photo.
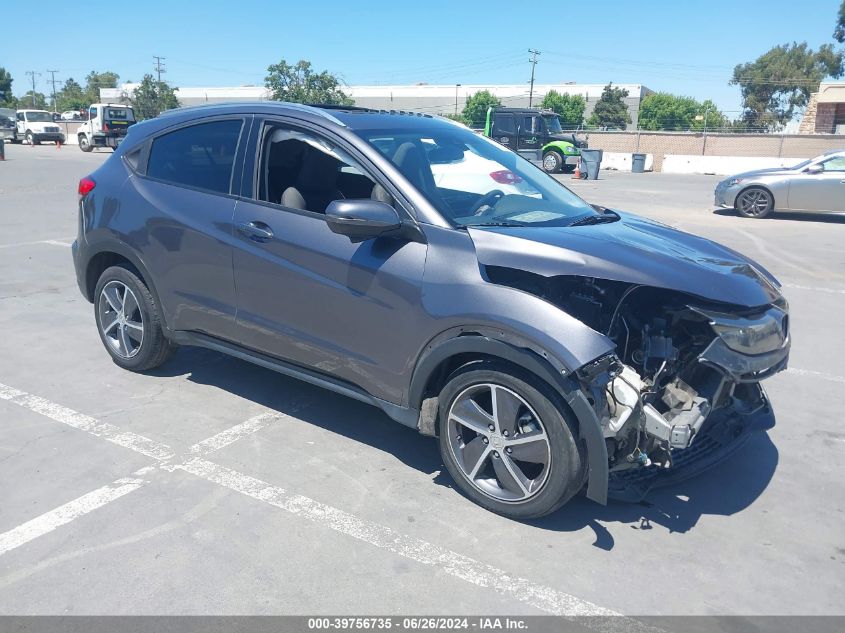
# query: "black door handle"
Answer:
x=256 y=231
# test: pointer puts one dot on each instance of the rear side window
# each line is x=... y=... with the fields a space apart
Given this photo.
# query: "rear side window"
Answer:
x=199 y=156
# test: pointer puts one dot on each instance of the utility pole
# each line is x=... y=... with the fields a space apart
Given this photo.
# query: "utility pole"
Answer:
x=53 y=82
x=533 y=62
x=33 y=75
x=456 y=98
x=159 y=68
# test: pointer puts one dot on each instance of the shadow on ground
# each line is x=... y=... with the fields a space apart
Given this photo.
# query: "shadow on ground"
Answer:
x=727 y=489
x=823 y=218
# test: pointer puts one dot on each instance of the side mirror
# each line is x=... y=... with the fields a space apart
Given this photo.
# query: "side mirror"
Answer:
x=361 y=219
x=815 y=169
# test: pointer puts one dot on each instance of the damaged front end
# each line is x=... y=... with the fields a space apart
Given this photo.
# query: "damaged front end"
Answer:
x=682 y=389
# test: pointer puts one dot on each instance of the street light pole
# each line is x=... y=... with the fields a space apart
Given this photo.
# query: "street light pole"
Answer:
x=456 y=98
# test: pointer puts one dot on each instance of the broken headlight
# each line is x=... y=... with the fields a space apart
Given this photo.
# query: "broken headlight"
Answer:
x=757 y=334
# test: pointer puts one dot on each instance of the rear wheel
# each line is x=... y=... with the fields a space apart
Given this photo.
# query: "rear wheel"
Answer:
x=129 y=321
x=84 y=143
x=508 y=444
x=552 y=162
x=754 y=202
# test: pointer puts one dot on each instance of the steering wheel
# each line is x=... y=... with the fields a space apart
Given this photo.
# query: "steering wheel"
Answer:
x=489 y=200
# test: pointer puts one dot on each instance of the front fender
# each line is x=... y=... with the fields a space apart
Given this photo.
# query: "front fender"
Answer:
x=564 y=147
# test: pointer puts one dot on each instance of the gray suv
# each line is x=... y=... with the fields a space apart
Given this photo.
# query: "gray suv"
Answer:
x=400 y=259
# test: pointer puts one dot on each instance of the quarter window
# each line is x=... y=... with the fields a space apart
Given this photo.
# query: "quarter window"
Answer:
x=199 y=156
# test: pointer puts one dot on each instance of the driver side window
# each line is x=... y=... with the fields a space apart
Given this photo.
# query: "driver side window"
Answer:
x=300 y=170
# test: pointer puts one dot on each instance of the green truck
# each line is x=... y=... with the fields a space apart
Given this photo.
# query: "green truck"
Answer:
x=537 y=135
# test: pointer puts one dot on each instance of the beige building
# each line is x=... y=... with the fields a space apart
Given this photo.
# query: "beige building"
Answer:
x=825 y=113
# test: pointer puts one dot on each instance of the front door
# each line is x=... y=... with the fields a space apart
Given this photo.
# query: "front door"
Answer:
x=312 y=297
x=504 y=129
x=531 y=132
x=824 y=191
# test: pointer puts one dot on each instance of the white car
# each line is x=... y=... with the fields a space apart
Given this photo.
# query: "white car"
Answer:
x=70 y=115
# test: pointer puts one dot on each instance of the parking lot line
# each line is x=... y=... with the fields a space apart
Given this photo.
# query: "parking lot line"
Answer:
x=816 y=374
x=235 y=433
x=837 y=291
x=64 y=514
x=452 y=563
x=104 y=430
x=62 y=242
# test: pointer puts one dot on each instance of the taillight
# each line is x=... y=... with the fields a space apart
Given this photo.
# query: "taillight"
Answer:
x=505 y=177
x=86 y=186
x=105 y=127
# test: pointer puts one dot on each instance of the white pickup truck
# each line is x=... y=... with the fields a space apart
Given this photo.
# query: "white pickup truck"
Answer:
x=35 y=126
x=106 y=126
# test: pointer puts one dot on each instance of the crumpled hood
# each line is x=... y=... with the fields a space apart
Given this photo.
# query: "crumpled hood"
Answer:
x=633 y=250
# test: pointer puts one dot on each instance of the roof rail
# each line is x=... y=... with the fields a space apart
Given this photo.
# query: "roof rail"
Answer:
x=293 y=106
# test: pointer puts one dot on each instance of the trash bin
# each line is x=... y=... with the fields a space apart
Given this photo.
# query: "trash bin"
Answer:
x=638 y=163
x=591 y=159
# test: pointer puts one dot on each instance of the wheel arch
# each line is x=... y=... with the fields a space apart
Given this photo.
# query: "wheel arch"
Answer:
x=115 y=255
x=440 y=359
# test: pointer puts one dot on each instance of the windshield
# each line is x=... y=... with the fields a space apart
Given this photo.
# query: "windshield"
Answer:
x=553 y=124
x=39 y=117
x=474 y=181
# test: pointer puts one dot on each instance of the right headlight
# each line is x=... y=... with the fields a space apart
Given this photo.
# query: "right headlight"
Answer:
x=758 y=334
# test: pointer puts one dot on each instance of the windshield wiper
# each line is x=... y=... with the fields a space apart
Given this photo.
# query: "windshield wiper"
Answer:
x=588 y=220
x=498 y=223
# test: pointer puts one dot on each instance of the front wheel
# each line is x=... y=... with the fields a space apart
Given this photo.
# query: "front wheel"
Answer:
x=508 y=441
x=129 y=321
x=84 y=143
x=31 y=139
x=754 y=202
x=552 y=162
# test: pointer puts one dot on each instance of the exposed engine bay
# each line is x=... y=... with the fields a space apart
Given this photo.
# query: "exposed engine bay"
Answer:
x=679 y=358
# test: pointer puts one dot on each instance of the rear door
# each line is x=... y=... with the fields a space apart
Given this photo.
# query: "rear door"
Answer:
x=312 y=297
x=504 y=129
x=823 y=191
x=186 y=244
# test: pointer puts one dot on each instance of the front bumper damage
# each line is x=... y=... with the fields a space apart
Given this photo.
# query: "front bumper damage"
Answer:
x=725 y=431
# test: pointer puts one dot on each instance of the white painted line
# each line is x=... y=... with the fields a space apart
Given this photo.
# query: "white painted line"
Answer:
x=104 y=430
x=815 y=289
x=49 y=521
x=235 y=433
x=816 y=374
x=51 y=242
x=462 y=567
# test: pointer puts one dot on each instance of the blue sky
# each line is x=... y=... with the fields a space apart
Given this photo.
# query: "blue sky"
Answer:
x=677 y=46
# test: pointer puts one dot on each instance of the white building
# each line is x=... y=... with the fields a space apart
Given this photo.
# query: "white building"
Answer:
x=434 y=99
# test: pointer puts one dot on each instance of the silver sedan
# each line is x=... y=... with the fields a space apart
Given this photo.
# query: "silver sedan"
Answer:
x=817 y=185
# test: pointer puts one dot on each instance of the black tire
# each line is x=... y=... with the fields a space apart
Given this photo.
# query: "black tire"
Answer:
x=552 y=162
x=754 y=202
x=154 y=348
x=84 y=143
x=566 y=470
x=567 y=169
x=31 y=139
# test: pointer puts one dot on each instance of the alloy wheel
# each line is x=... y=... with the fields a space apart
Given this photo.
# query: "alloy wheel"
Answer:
x=499 y=442
x=120 y=319
x=754 y=202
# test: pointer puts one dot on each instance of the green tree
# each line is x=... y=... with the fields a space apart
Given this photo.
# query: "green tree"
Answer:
x=39 y=103
x=150 y=98
x=839 y=31
x=569 y=108
x=781 y=80
x=475 y=109
x=610 y=110
x=71 y=97
x=298 y=83
x=7 y=99
x=95 y=81
x=664 y=111
x=455 y=117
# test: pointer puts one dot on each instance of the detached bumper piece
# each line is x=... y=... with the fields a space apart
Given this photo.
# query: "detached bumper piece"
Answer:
x=725 y=431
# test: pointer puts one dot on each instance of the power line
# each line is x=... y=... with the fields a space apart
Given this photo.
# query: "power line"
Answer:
x=33 y=75
x=159 y=68
x=53 y=82
x=533 y=62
